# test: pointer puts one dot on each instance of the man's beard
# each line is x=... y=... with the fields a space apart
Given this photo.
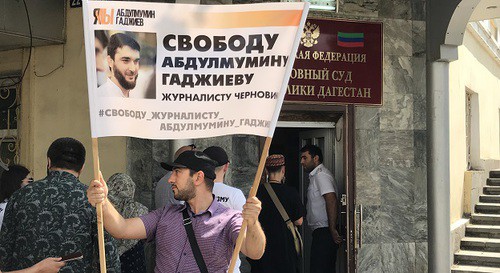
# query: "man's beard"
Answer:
x=122 y=81
x=308 y=168
x=186 y=194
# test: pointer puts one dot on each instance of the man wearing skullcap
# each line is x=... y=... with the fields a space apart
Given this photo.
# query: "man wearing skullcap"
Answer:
x=280 y=255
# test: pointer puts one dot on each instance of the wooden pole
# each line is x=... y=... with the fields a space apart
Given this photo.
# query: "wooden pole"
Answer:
x=252 y=193
x=100 y=226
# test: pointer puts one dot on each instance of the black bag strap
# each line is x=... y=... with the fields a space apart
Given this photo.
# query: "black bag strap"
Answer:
x=277 y=202
x=288 y=222
x=192 y=241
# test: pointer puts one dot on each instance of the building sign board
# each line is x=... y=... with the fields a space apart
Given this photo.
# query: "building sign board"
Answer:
x=338 y=62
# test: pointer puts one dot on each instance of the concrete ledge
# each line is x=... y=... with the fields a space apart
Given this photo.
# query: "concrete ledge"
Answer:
x=474 y=181
x=457 y=233
x=491 y=164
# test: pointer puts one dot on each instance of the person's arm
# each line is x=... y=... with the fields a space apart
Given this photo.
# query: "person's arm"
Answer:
x=49 y=265
x=332 y=212
x=299 y=221
x=114 y=223
x=296 y=208
x=254 y=241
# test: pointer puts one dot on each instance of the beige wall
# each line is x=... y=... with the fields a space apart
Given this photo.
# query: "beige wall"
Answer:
x=477 y=71
x=57 y=105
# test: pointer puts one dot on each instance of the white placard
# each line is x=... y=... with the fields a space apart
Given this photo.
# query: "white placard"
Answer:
x=176 y=71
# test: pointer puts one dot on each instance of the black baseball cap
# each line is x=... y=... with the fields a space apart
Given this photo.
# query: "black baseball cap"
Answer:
x=193 y=160
x=218 y=154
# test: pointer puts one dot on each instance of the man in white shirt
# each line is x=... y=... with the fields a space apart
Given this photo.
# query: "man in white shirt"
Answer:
x=228 y=196
x=123 y=60
x=322 y=210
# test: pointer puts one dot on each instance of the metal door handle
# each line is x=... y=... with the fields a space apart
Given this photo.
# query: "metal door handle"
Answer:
x=359 y=212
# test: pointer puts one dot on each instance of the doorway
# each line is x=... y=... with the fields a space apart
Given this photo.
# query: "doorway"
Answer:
x=288 y=138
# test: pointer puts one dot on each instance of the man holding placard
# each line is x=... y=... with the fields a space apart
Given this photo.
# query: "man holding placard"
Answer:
x=163 y=192
x=212 y=66
x=199 y=235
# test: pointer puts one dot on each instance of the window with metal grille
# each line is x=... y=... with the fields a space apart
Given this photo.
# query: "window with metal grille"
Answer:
x=9 y=120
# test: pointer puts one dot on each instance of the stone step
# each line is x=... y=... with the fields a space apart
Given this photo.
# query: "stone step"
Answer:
x=491 y=189
x=495 y=174
x=493 y=181
x=473 y=269
x=480 y=244
x=478 y=258
x=488 y=208
x=485 y=219
x=483 y=231
x=489 y=198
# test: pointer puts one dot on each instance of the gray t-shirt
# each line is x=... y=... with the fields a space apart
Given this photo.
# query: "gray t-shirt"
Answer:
x=164 y=194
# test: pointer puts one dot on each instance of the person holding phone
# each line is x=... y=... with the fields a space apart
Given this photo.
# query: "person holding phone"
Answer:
x=48 y=265
x=51 y=218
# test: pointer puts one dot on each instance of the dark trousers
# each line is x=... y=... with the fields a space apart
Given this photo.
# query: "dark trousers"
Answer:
x=323 y=251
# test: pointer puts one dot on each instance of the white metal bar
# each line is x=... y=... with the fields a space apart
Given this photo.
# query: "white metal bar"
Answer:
x=305 y=124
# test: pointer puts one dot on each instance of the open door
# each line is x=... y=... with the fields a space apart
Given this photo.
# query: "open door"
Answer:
x=335 y=137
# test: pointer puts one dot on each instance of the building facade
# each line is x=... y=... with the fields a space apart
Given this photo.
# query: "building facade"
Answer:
x=380 y=154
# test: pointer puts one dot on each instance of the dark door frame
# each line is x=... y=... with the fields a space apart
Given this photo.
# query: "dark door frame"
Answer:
x=350 y=174
x=347 y=111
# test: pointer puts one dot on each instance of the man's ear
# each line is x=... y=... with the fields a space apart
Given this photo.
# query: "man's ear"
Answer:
x=81 y=170
x=226 y=167
x=49 y=163
x=316 y=159
x=200 y=178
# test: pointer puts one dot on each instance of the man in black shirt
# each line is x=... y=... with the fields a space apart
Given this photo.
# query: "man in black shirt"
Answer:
x=280 y=255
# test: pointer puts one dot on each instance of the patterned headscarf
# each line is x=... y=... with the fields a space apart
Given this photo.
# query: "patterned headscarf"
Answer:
x=121 y=189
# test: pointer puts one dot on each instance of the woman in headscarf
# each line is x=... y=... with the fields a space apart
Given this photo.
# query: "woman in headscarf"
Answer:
x=14 y=178
x=121 y=189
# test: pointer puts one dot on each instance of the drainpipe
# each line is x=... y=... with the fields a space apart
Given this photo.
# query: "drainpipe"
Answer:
x=438 y=161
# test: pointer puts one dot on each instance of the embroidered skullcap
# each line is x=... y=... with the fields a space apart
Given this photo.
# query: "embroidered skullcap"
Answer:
x=275 y=160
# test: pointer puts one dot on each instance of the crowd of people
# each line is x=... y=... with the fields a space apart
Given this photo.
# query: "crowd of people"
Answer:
x=194 y=226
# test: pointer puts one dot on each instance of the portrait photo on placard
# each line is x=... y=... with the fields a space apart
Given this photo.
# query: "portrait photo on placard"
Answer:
x=125 y=64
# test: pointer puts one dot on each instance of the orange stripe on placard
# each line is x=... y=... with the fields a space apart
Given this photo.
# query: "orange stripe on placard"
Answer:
x=268 y=18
